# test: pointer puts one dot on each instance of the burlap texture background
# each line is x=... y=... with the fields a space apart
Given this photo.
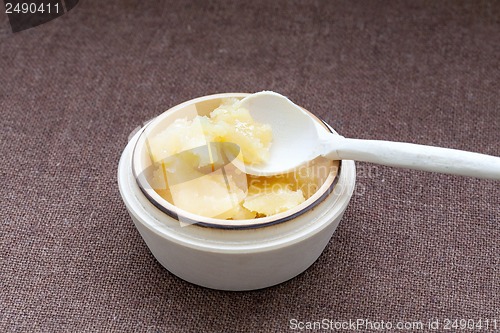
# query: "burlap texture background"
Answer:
x=412 y=245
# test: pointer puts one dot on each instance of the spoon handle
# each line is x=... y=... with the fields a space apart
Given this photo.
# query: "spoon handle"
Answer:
x=413 y=156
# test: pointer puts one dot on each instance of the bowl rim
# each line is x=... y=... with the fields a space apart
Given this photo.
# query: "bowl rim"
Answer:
x=186 y=217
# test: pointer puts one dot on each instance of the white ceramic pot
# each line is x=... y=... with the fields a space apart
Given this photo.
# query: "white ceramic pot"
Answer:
x=250 y=254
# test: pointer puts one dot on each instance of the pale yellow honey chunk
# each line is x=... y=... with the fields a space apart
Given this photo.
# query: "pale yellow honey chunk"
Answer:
x=309 y=178
x=180 y=136
x=230 y=123
x=244 y=214
x=277 y=200
x=255 y=138
x=208 y=196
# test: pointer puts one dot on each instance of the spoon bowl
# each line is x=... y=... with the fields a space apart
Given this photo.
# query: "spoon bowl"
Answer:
x=295 y=134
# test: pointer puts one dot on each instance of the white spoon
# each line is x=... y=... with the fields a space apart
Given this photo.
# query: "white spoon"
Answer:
x=298 y=139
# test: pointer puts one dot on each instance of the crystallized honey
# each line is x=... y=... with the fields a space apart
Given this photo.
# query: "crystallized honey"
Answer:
x=189 y=173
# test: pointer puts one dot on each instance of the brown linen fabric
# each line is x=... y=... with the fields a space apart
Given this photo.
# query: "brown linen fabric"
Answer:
x=412 y=246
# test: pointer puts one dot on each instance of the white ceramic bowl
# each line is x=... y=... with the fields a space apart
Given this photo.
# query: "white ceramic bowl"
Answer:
x=230 y=255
